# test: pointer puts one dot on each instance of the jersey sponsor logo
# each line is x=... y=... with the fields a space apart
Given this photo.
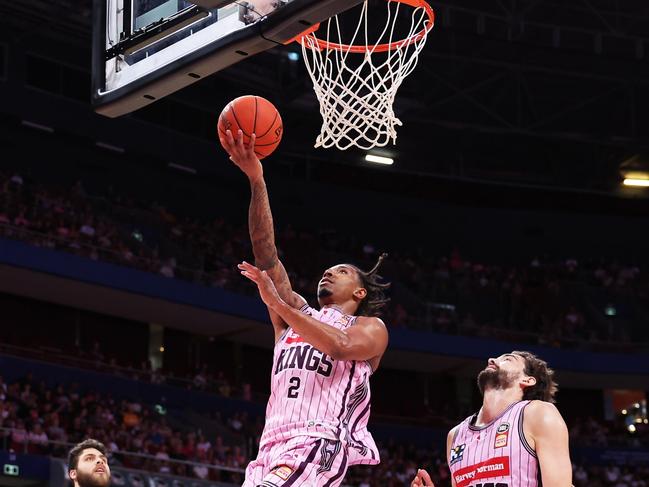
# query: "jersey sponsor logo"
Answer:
x=494 y=467
x=283 y=472
x=293 y=337
x=457 y=453
x=502 y=435
x=344 y=320
x=304 y=357
x=502 y=428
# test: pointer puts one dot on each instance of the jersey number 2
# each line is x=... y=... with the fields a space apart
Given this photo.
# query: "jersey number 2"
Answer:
x=292 y=391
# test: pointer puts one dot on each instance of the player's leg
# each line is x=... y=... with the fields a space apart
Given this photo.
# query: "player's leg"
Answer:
x=308 y=462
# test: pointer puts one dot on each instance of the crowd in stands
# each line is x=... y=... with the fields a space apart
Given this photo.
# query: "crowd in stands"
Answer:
x=587 y=431
x=556 y=302
x=203 y=378
x=41 y=420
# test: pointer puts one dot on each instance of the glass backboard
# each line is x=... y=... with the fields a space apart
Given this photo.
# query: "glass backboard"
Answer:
x=144 y=50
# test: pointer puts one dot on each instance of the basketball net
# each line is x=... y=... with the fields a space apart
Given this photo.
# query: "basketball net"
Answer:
x=356 y=80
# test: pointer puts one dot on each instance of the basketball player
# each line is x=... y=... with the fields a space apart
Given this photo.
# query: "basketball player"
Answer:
x=88 y=465
x=518 y=438
x=316 y=418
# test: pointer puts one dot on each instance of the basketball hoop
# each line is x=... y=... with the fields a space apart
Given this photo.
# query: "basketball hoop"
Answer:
x=356 y=94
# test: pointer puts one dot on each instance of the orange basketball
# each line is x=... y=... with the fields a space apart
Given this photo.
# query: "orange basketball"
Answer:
x=253 y=115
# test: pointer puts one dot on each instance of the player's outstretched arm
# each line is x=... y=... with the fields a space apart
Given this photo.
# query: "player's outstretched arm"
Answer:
x=260 y=218
x=549 y=433
x=366 y=340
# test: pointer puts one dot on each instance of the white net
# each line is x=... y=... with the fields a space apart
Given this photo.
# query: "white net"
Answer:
x=356 y=80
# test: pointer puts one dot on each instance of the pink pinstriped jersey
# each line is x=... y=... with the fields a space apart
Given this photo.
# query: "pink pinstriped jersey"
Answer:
x=315 y=395
x=495 y=455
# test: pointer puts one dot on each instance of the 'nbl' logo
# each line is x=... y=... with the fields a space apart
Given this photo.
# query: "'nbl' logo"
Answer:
x=304 y=357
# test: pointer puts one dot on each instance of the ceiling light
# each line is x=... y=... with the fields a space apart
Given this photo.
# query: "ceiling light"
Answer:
x=380 y=159
x=642 y=183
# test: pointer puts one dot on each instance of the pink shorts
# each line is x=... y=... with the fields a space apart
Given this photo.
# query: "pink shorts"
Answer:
x=303 y=461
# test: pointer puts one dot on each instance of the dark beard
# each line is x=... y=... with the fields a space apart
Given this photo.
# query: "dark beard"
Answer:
x=89 y=480
x=324 y=292
x=494 y=379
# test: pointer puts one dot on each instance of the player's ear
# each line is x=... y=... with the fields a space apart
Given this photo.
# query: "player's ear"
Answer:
x=360 y=293
x=72 y=474
x=529 y=381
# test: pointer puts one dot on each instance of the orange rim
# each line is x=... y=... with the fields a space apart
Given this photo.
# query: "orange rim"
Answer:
x=391 y=46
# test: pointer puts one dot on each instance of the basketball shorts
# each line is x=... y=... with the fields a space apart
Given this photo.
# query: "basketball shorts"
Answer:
x=302 y=461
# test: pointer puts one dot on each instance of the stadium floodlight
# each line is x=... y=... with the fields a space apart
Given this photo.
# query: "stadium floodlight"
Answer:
x=637 y=183
x=379 y=159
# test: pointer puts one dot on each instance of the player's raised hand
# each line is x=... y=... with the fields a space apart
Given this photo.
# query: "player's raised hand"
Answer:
x=242 y=155
x=422 y=479
x=267 y=290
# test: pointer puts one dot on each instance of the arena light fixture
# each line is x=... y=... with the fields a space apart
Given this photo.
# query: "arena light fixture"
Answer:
x=636 y=183
x=635 y=171
x=379 y=159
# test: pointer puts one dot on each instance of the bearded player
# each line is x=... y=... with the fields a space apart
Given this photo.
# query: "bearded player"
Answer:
x=518 y=438
x=88 y=465
x=317 y=413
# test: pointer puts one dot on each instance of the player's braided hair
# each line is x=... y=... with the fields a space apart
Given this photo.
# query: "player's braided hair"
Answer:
x=376 y=299
x=545 y=387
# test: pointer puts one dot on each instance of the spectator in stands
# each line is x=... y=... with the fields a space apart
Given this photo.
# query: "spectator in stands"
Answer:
x=37 y=439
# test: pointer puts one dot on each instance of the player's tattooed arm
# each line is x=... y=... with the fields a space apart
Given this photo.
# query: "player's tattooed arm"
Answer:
x=260 y=218
x=262 y=236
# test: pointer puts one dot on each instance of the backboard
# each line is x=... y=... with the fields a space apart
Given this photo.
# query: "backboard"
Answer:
x=144 y=50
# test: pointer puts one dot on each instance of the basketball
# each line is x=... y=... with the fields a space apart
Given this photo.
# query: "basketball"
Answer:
x=253 y=115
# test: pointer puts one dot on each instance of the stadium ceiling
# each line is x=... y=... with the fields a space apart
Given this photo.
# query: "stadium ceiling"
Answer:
x=536 y=92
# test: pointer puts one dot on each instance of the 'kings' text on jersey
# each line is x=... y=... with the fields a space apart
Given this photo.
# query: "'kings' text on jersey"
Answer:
x=304 y=357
